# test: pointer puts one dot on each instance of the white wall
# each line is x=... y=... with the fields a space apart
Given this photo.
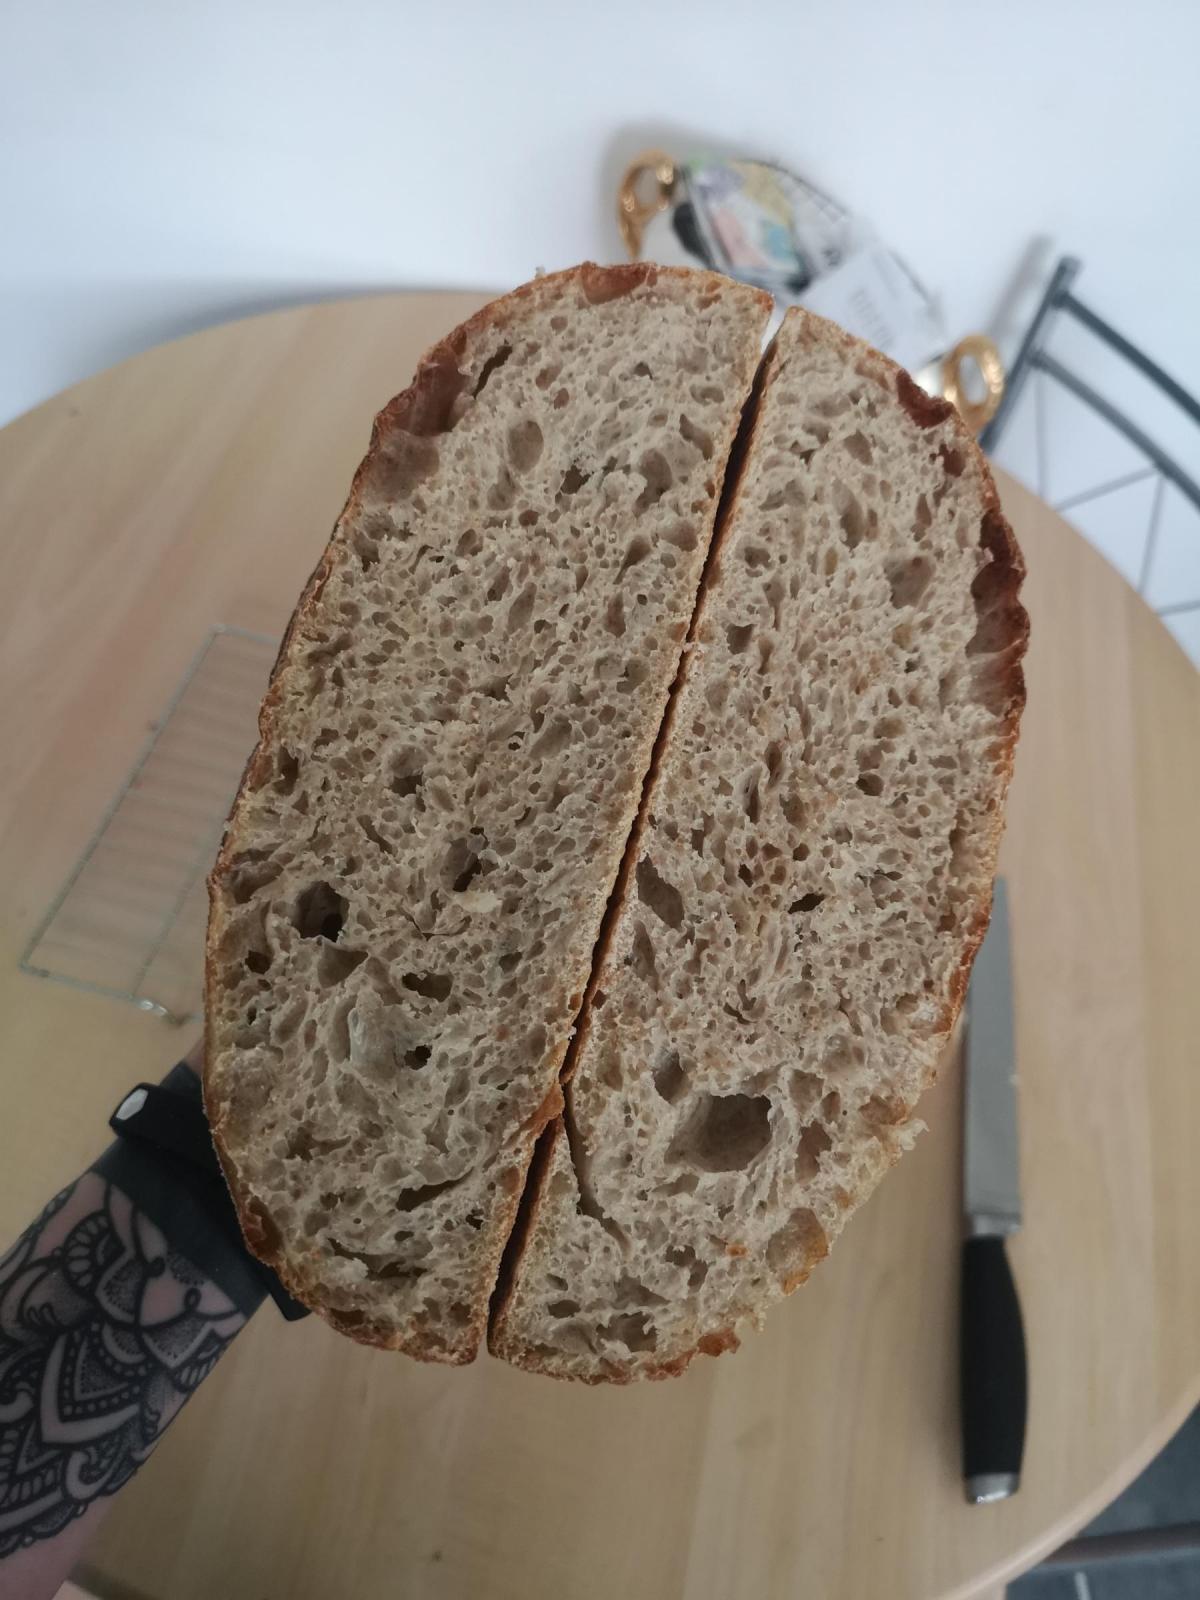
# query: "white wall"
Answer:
x=165 y=163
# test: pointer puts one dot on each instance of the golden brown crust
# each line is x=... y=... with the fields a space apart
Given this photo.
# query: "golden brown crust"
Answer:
x=421 y=410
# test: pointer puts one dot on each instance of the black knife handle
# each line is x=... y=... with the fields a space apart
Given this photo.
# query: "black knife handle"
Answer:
x=992 y=1372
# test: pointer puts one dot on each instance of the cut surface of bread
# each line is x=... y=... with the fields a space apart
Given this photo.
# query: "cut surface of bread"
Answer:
x=453 y=746
x=807 y=884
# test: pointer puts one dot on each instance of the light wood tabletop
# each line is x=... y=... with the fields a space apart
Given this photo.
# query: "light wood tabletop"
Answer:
x=194 y=486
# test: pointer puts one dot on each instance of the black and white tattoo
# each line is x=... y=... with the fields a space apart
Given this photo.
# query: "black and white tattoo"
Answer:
x=104 y=1333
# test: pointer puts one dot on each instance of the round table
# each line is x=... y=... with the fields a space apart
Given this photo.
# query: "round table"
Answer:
x=195 y=485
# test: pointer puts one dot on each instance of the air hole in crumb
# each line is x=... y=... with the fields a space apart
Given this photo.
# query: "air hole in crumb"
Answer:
x=521 y=609
x=461 y=864
x=334 y=964
x=572 y=481
x=870 y=783
x=857 y=445
x=376 y=838
x=795 y=1248
x=953 y=461
x=410 y=1199
x=814 y=1141
x=681 y=534
x=338 y=1038
x=805 y=1090
x=552 y=741
x=418 y=1056
x=287 y=769
x=656 y=470
x=641 y=955
x=633 y=1329
x=637 y=550
x=320 y=913
x=248 y=872
x=806 y=902
x=697 y=436
x=629 y=1291
x=884 y=1111
x=366 y=549
x=662 y=897
x=669 y=1077
x=634 y=673
x=909 y=580
x=832 y=405
x=724 y=1133
x=684 y=1256
x=746 y=875
x=738 y=637
x=491 y=365
x=405 y=780
x=503 y=492
x=432 y=985
x=685 y=1183
x=258 y=961
x=852 y=519
x=563 y=1308
x=524 y=444
x=614 y=616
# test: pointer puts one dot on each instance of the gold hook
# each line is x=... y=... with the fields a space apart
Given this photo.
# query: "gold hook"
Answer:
x=976 y=347
x=634 y=212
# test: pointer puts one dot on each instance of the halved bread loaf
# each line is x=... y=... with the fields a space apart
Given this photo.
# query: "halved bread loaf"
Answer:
x=406 y=904
x=808 y=882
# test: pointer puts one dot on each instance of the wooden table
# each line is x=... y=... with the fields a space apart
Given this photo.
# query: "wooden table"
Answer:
x=195 y=485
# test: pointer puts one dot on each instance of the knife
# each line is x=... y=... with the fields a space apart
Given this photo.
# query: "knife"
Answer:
x=991 y=1336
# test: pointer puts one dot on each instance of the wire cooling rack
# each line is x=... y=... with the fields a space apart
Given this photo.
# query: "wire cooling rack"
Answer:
x=129 y=921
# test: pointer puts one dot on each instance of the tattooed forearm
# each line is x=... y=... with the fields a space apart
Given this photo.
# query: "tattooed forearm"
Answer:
x=104 y=1333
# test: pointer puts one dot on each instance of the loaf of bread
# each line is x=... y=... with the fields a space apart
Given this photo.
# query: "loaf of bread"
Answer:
x=409 y=894
x=808 y=881
x=574 y=824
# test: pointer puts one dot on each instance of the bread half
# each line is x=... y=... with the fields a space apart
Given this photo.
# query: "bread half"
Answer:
x=808 y=882
x=407 y=900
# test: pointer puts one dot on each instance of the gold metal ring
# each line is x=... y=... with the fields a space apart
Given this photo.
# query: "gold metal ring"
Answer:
x=634 y=210
x=976 y=347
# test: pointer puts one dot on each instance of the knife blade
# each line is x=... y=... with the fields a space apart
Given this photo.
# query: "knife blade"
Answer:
x=992 y=1367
